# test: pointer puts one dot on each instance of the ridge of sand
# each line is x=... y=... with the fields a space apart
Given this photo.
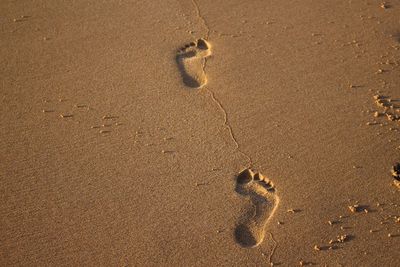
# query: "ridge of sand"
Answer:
x=192 y=81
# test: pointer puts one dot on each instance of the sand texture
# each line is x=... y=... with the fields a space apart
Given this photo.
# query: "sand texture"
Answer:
x=200 y=133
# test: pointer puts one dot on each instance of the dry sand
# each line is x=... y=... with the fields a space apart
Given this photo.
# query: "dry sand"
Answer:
x=204 y=133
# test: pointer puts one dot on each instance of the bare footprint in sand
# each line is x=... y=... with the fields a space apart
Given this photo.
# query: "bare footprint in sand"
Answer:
x=191 y=61
x=250 y=230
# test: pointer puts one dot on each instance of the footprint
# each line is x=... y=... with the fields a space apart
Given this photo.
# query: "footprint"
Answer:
x=191 y=61
x=250 y=230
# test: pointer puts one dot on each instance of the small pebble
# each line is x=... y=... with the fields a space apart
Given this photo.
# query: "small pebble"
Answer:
x=66 y=115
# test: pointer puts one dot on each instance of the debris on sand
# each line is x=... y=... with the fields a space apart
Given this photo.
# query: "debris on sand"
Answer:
x=396 y=184
x=384 y=5
x=396 y=171
x=354 y=208
x=342 y=238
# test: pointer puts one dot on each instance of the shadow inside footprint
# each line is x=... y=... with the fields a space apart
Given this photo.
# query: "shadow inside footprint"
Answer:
x=245 y=176
x=244 y=236
x=202 y=44
x=188 y=79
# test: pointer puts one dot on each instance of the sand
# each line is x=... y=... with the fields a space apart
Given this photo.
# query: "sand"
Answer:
x=199 y=133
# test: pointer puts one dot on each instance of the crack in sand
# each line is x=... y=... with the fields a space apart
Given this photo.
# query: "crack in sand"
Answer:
x=273 y=250
x=201 y=18
x=214 y=99
x=251 y=230
x=243 y=236
x=229 y=127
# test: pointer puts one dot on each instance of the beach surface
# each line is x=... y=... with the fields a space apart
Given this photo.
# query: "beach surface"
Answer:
x=199 y=133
